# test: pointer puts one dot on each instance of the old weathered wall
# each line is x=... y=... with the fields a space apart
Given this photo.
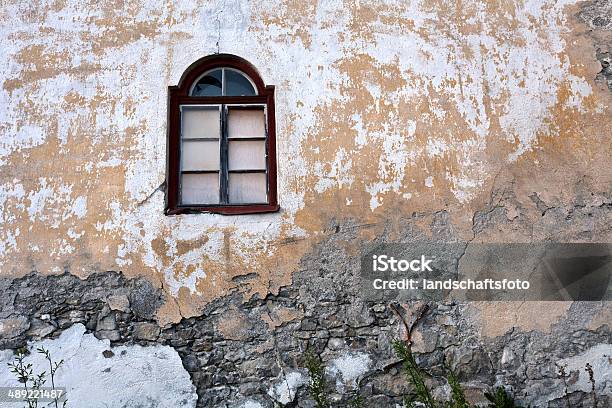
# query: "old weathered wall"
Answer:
x=396 y=121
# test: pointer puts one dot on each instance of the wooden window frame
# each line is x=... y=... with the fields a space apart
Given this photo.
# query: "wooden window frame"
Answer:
x=178 y=96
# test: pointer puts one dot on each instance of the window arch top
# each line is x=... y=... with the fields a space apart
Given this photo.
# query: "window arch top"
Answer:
x=221 y=75
x=224 y=81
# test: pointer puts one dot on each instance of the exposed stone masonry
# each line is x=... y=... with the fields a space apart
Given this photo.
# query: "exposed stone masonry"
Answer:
x=598 y=16
x=253 y=352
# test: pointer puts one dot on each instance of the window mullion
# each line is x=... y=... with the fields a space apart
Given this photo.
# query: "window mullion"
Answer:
x=223 y=171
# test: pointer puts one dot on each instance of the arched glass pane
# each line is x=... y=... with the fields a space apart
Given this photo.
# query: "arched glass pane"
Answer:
x=209 y=84
x=237 y=84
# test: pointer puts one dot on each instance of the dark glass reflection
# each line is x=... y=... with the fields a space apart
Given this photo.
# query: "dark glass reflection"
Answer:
x=237 y=85
x=208 y=85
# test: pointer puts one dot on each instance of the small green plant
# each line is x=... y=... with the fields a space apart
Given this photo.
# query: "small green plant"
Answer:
x=53 y=367
x=24 y=373
x=500 y=398
x=415 y=376
x=356 y=400
x=458 y=399
x=317 y=387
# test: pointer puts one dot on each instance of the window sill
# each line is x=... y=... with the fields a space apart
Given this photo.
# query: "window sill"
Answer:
x=224 y=210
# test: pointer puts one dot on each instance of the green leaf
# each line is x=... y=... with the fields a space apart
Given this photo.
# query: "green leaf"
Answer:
x=414 y=374
x=458 y=399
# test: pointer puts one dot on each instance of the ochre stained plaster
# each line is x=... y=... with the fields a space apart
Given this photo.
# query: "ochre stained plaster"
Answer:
x=382 y=110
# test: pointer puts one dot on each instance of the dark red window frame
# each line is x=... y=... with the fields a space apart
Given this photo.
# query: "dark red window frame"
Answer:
x=179 y=95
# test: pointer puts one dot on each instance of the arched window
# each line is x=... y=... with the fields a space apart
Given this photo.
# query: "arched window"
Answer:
x=221 y=140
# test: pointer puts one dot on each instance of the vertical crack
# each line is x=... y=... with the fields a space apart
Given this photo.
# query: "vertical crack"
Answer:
x=218 y=20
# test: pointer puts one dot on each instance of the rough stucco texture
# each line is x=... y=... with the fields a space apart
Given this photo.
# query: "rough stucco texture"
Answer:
x=384 y=110
x=97 y=375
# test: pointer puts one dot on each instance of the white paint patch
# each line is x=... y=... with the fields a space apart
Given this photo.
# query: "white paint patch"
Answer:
x=600 y=359
x=179 y=280
x=361 y=140
x=38 y=199
x=374 y=190
x=135 y=376
x=429 y=182
x=79 y=207
x=348 y=369
x=391 y=165
x=436 y=147
x=580 y=90
x=22 y=136
x=285 y=390
x=338 y=175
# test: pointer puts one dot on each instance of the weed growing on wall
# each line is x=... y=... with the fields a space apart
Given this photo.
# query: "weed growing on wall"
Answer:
x=415 y=377
x=458 y=399
x=356 y=400
x=31 y=381
x=498 y=398
x=317 y=387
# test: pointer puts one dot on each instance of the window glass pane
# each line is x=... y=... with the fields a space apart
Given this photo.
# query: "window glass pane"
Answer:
x=244 y=123
x=200 y=155
x=247 y=188
x=198 y=121
x=200 y=188
x=247 y=155
x=208 y=85
x=236 y=84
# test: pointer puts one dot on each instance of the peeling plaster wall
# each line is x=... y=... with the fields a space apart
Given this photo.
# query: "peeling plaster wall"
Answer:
x=384 y=109
x=128 y=377
x=252 y=354
x=397 y=121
